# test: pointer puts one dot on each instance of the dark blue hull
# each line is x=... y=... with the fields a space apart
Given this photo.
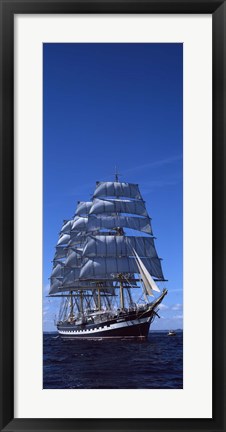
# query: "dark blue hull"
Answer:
x=129 y=327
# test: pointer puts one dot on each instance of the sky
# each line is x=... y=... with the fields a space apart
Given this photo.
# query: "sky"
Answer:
x=108 y=105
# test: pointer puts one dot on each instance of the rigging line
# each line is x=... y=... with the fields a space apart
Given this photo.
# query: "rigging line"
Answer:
x=140 y=298
x=127 y=280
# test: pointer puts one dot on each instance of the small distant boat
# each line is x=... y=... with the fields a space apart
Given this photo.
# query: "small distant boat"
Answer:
x=171 y=333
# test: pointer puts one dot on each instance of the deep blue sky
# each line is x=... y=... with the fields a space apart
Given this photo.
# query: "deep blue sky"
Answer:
x=115 y=104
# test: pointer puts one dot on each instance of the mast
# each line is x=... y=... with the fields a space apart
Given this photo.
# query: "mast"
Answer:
x=121 y=292
x=120 y=232
x=130 y=296
x=121 y=296
x=116 y=174
x=107 y=302
x=71 y=316
x=99 y=298
x=81 y=302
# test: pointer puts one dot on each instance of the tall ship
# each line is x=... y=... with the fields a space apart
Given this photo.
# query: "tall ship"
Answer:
x=106 y=268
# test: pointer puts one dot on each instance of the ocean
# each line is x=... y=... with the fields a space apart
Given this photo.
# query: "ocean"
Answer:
x=156 y=363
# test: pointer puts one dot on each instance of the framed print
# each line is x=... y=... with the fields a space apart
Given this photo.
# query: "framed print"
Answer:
x=113 y=133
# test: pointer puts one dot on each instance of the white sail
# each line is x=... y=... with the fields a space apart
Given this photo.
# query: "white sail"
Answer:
x=66 y=228
x=57 y=270
x=55 y=285
x=118 y=206
x=70 y=277
x=63 y=240
x=97 y=222
x=145 y=246
x=74 y=259
x=77 y=238
x=109 y=268
x=83 y=208
x=118 y=246
x=61 y=252
x=101 y=221
x=106 y=267
x=80 y=224
x=146 y=275
x=146 y=286
x=118 y=189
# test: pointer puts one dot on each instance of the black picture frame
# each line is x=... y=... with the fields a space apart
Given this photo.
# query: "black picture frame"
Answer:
x=8 y=9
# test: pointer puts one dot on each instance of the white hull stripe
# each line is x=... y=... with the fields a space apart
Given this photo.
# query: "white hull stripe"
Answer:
x=107 y=328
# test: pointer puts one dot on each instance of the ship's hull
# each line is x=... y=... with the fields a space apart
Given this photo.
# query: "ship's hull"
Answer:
x=131 y=326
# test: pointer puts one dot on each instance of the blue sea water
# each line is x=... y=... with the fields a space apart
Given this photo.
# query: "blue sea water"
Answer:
x=86 y=364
